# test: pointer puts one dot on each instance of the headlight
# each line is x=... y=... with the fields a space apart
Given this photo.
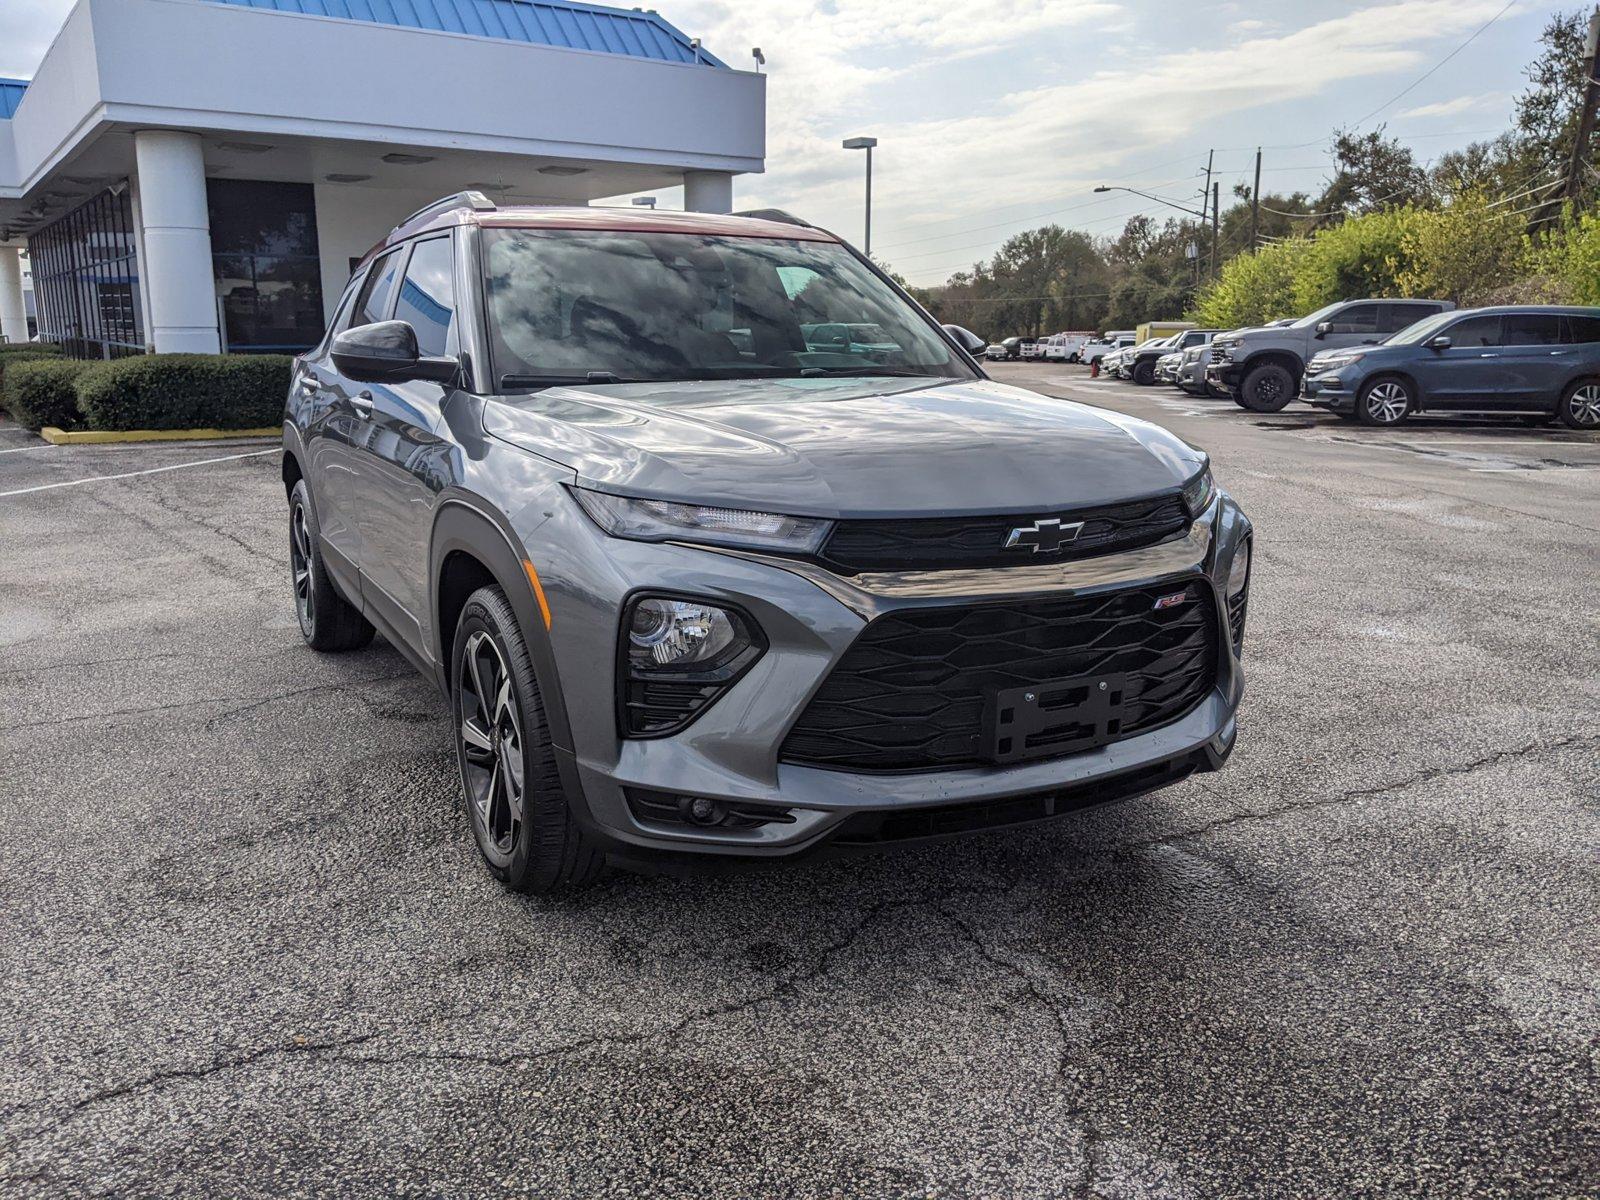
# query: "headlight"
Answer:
x=1334 y=362
x=1239 y=572
x=677 y=655
x=1198 y=492
x=668 y=521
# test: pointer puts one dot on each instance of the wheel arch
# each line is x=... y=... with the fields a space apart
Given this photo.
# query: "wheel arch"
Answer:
x=472 y=548
x=1281 y=358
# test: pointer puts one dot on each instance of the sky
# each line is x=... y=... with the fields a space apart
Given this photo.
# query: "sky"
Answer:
x=997 y=117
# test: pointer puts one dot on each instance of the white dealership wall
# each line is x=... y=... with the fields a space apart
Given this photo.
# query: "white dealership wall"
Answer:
x=331 y=97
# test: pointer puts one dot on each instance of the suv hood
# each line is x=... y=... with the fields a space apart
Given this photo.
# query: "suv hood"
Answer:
x=845 y=447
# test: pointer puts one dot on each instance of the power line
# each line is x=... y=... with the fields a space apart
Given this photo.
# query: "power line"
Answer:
x=1430 y=71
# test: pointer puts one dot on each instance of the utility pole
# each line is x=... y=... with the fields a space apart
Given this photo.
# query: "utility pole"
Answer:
x=1591 y=94
x=1255 y=205
x=1205 y=195
x=1216 y=203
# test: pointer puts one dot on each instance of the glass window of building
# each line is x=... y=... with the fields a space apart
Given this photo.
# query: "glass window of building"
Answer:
x=268 y=272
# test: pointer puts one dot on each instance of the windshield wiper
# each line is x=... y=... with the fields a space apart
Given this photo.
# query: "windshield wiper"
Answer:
x=847 y=372
x=514 y=380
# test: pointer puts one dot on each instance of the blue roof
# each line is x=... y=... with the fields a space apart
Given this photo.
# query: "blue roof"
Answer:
x=10 y=96
x=560 y=23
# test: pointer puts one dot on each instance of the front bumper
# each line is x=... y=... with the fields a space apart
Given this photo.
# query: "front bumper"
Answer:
x=810 y=617
x=1333 y=390
x=1224 y=375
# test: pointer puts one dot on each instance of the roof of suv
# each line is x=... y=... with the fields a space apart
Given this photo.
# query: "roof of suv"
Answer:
x=468 y=208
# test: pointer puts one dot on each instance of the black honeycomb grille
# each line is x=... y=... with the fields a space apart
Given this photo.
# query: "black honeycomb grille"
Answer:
x=947 y=543
x=909 y=695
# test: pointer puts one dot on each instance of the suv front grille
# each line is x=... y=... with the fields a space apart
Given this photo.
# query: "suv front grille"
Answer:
x=952 y=543
x=910 y=693
x=1218 y=354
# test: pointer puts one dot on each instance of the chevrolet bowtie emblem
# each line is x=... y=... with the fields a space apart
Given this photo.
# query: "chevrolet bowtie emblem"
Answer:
x=1048 y=535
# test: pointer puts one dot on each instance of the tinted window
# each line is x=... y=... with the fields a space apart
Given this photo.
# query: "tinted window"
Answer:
x=374 y=302
x=1474 y=331
x=658 y=306
x=1583 y=329
x=427 y=296
x=265 y=262
x=1359 y=318
x=1532 y=329
x=1394 y=317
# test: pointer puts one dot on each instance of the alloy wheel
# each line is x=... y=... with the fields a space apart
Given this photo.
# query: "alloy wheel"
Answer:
x=1584 y=405
x=300 y=564
x=491 y=742
x=1387 y=402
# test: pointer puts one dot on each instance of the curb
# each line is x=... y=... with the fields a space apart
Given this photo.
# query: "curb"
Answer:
x=78 y=437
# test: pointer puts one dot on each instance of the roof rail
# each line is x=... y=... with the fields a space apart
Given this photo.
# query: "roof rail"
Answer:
x=774 y=214
x=476 y=201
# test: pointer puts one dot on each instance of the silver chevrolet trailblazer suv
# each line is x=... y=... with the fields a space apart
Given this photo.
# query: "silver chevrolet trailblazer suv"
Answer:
x=699 y=580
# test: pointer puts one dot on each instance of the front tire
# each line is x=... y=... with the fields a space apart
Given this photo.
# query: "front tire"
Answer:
x=1144 y=372
x=1266 y=388
x=1385 y=401
x=519 y=812
x=328 y=621
x=1580 y=405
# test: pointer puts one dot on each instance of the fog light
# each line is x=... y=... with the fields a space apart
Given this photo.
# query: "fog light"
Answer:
x=666 y=632
x=677 y=655
x=701 y=810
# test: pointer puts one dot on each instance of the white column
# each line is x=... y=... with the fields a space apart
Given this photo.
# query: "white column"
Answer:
x=708 y=191
x=177 y=242
x=13 y=309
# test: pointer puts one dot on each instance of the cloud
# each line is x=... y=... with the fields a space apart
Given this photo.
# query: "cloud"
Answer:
x=1461 y=104
x=27 y=27
x=833 y=72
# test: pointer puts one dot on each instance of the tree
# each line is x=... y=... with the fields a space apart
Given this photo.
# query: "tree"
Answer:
x=1372 y=172
x=1547 y=113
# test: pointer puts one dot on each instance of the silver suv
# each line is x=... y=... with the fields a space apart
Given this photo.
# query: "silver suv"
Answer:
x=697 y=584
x=1261 y=368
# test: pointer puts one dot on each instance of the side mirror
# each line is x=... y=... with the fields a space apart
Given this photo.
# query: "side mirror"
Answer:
x=966 y=339
x=386 y=352
x=1324 y=328
x=1442 y=342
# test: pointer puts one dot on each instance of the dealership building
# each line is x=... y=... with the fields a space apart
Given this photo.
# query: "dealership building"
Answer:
x=202 y=175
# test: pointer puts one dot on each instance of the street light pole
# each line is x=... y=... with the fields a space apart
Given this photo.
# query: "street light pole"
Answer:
x=865 y=143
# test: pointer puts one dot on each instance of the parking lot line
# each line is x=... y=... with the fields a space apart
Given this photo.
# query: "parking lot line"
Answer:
x=201 y=462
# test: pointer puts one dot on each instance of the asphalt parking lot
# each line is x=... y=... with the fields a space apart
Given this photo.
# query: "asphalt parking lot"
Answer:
x=247 y=948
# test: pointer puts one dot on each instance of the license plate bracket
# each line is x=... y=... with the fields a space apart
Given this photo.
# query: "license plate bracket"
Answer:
x=1065 y=716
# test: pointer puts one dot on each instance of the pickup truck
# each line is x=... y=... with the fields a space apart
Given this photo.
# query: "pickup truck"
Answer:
x=1261 y=368
x=1096 y=350
x=1140 y=365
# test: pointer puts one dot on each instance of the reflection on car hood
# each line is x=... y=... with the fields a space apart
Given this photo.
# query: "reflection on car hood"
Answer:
x=845 y=447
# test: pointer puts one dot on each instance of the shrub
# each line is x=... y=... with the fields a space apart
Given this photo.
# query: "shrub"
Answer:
x=1570 y=257
x=20 y=356
x=33 y=349
x=1465 y=251
x=186 y=391
x=43 y=391
x=1253 y=289
x=1359 y=257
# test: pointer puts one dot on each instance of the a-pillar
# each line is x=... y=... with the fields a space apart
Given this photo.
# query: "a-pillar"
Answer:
x=177 y=242
x=708 y=191
x=13 y=309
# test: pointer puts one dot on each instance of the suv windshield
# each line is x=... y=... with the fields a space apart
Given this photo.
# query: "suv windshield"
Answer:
x=622 y=306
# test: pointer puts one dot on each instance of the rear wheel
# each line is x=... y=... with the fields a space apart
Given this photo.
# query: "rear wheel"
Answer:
x=519 y=813
x=1266 y=388
x=1385 y=402
x=1580 y=405
x=328 y=622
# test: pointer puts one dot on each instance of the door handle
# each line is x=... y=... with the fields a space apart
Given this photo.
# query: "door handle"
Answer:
x=362 y=403
x=1488 y=356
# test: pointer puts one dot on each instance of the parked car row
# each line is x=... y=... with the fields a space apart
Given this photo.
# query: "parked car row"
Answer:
x=1381 y=361
x=1081 y=347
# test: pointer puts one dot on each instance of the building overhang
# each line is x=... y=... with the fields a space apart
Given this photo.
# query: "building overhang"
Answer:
x=332 y=97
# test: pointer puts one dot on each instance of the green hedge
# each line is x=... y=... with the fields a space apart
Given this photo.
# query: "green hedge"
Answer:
x=33 y=349
x=43 y=391
x=186 y=391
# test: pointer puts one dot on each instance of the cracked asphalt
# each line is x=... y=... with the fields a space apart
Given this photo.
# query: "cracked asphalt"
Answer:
x=246 y=948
